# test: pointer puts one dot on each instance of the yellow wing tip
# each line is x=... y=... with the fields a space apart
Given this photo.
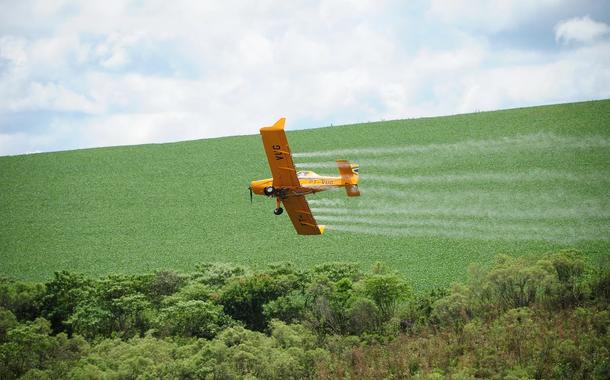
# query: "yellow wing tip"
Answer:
x=321 y=227
x=278 y=125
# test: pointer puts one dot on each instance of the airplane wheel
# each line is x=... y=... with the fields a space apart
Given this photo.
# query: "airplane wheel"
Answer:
x=278 y=211
x=269 y=190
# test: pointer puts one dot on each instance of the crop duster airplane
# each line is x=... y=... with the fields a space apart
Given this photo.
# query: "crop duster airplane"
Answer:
x=289 y=187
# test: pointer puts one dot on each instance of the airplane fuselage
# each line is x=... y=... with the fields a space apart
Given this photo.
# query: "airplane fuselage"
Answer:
x=307 y=185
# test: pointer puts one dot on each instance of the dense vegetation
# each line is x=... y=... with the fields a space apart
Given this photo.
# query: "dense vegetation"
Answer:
x=169 y=206
x=522 y=318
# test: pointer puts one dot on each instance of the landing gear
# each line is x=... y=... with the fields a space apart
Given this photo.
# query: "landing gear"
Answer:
x=278 y=210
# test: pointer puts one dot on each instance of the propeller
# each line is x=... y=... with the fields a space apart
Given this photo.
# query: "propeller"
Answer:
x=249 y=188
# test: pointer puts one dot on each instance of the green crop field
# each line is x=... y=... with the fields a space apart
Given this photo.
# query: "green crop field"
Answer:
x=437 y=194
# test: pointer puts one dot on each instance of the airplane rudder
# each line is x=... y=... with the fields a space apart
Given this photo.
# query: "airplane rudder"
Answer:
x=350 y=173
x=355 y=168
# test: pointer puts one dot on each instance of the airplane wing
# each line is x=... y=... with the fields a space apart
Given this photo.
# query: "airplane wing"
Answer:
x=278 y=154
x=301 y=216
x=285 y=175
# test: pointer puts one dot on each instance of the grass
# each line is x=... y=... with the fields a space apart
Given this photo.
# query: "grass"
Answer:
x=140 y=208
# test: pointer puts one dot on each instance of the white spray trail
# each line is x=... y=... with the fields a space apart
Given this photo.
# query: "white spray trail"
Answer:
x=498 y=199
x=325 y=202
x=463 y=212
x=555 y=215
x=462 y=234
x=397 y=206
x=537 y=175
x=474 y=226
x=545 y=204
x=315 y=165
x=534 y=141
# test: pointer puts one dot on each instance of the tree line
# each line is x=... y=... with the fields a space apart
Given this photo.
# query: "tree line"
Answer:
x=544 y=317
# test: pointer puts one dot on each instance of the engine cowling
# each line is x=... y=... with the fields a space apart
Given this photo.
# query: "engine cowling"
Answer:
x=269 y=191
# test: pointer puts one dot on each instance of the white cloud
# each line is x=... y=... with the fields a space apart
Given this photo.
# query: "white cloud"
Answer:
x=133 y=128
x=114 y=51
x=490 y=15
x=157 y=71
x=467 y=56
x=575 y=74
x=22 y=142
x=12 y=49
x=580 y=29
x=51 y=96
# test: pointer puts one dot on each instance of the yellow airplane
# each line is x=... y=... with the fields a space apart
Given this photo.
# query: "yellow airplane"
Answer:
x=289 y=187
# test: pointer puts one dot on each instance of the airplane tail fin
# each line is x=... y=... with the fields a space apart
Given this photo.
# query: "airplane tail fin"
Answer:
x=349 y=173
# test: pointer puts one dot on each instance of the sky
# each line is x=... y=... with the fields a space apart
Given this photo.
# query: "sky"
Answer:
x=79 y=74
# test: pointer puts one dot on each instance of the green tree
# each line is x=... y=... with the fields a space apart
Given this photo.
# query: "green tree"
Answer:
x=363 y=316
x=386 y=290
x=192 y=318
x=514 y=283
x=243 y=298
x=453 y=310
x=137 y=358
x=28 y=346
x=570 y=267
x=90 y=319
x=289 y=308
x=7 y=322
x=337 y=271
x=192 y=291
x=64 y=292
x=23 y=299
x=216 y=275
x=165 y=283
x=132 y=314
x=327 y=305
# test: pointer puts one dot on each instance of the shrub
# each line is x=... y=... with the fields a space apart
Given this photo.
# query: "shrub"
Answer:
x=23 y=299
x=190 y=292
x=137 y=358
x=165 y=283
x=326 y=304
x=289 y=308
x=558 y=330
x=89 y=319
x=512 y=283
x=287 y=354
x=363 y=316
x=417 y=312
x=132 y=314
x=337 y=271
x=192 y=319
x=243 y=298
x=599 y=282
x=288 y=336
x=515 y=332
x=116 y=286
x=570 y=267
x=216 y=274
x=386 y=290
x=453 y=310
x=28 y=346
x=569 y=361
x=7 y=322
x=62 y=296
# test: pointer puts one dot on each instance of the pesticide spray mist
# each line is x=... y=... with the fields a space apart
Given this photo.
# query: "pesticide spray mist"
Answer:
x=520 y=203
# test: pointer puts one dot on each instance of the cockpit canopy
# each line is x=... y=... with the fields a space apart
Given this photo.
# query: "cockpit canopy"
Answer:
x=306 y=174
